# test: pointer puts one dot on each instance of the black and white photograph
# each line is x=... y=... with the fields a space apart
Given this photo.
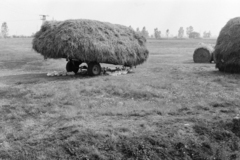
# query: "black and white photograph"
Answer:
x=120 y=80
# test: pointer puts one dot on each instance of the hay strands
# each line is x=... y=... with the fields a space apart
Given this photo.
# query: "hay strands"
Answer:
x=105 y=71
x=55 y=73
x=117 y=71
x=227 y=49
x=91 y=41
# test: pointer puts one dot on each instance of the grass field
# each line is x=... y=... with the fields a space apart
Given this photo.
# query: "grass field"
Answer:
x=170 y=108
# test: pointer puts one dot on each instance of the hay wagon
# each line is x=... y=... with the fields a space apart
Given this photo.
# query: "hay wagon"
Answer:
x=73 y=65
x=91 y=42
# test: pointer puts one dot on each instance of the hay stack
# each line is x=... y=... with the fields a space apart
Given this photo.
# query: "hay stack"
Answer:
x=89 y=40
x=203 y=54
x=227 y=49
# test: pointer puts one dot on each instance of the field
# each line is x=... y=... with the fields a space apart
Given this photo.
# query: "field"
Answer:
x=170 y=108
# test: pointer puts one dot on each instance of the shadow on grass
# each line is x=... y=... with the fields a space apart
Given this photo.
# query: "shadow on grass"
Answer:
x=215 y=73
x=189 y=62
x=30 y=78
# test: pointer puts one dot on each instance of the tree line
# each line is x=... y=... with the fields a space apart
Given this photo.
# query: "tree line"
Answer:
x=190 y=33
x=156 y=34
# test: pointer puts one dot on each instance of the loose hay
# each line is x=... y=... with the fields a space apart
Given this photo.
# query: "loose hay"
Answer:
x=227 y=49
x=55 y=73
x=203 y=54
x=105 y=71
x=89 y=40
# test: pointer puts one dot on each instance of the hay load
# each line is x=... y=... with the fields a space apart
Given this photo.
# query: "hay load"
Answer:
x=227 y=49
x=91 y=41
x=203 y=54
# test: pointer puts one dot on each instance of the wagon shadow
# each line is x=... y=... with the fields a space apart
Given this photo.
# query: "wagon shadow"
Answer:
x=34 y=78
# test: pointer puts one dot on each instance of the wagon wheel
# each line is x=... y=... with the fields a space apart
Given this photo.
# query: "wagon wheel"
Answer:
x=73 y=66
x=94 y=69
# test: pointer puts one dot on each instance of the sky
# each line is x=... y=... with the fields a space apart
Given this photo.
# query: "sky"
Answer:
x=23 y=16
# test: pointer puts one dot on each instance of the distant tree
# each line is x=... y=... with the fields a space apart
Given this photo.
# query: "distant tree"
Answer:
x=137 y=30
x=209 y=34
x=145 y=32
x=189 y=30
x=157 y=33
x=194 y=35
x=33 y=34
x=4 y=29
x=206 y=34
x=180 y=32
x=167 y=33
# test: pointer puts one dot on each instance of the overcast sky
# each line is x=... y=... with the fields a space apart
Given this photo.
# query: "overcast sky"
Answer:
x=22 y=16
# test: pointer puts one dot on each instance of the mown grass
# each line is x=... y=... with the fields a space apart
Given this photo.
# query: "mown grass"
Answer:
x=170 y=108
